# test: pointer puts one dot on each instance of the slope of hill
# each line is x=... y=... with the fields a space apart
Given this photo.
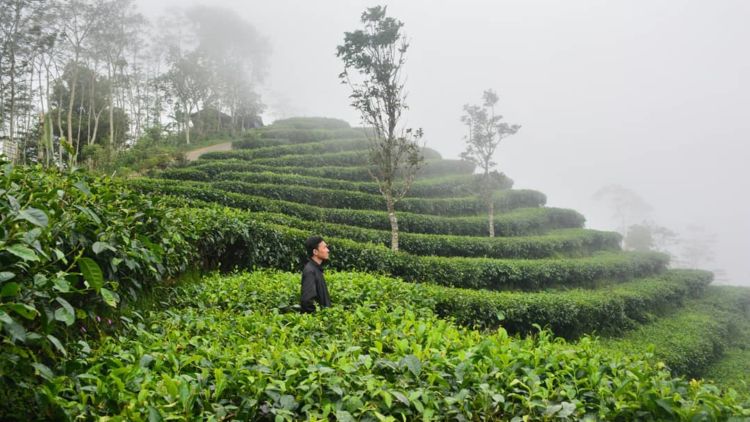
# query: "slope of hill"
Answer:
x=455 y=326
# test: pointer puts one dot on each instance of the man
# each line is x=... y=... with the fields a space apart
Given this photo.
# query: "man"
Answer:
x=313 y=283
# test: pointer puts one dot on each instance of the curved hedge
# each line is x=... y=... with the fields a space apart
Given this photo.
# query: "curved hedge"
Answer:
x=312 y=148
x=569 y=313
x=310 y=123
x=566 y=242
x=450 y=186
x=520 y=222
x=431 y=168
x=281 y=247
x=333 y=198
x=343 y=159
x=696 y=335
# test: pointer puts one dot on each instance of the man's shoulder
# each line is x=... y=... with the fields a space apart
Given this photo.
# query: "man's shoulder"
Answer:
x=310 y=267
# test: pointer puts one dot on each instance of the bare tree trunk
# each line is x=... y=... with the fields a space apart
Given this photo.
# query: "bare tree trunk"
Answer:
x=187 y=124
x=110 y=74
x=491 y=214
x=80 y=120
x=72 y=100
x=12 y=119
x=393 y=220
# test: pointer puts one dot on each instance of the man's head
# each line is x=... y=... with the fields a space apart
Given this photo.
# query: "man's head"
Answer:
x=316 y=248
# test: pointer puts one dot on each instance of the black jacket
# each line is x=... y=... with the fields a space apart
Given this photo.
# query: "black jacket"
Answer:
x=314 y=287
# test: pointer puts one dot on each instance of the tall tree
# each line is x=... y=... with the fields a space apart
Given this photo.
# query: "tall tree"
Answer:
x=189 y=80
x=20 y=37
x=79 y=20
x=374 y=59
x=486 y=130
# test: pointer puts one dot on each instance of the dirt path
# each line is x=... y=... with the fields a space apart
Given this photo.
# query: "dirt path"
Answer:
x=194 y=154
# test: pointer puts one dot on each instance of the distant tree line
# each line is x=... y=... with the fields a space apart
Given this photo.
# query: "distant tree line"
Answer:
x=81 y=79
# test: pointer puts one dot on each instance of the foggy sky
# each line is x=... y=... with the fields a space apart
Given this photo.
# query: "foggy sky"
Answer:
x=653 y=96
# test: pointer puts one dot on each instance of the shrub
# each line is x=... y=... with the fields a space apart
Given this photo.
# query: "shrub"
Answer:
x=267 y=245
x=334 y=198
x=343 y=159
x=71 y=246
x=566 y=242
x=694 y=336
x=325 y=147
x=310 y=123
x=358 y=174
x=514 y=223
x=209 y=355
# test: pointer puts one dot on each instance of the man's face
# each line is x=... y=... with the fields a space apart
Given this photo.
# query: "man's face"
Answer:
x=322 y=251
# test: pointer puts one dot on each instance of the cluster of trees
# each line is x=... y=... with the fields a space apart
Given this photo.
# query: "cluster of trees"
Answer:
x=81 y=77
x=691 y=247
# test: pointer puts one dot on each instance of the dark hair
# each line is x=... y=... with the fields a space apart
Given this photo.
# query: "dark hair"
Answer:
x=312 y=243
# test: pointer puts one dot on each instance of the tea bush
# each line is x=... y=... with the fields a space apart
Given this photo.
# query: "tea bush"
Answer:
x=696 y=335
x=514 y=223
x=332 y=198
x=558 y=243
x=323 y=147
x=71 y=246
x=431 y=168
x=212 y=356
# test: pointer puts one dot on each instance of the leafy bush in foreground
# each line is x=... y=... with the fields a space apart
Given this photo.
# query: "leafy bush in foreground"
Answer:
x=203 y=360
x=70 y=246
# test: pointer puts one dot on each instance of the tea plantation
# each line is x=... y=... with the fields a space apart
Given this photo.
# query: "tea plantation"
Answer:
x=171 y=297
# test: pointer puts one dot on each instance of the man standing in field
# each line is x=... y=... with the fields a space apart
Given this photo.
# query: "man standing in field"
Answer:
x=313 y=283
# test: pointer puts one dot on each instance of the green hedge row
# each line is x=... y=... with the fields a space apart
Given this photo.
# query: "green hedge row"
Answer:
x=312 y=148
x=256 y=142
x=274 y=246
x=566 y=242
x=571 y=313
x=432 y=168
x=343 y=159
x=450 y=186
x=520 y=222
x=310 y=123
x=695 y=336
x=333 y=198
x=302 y=136
x=606 y=311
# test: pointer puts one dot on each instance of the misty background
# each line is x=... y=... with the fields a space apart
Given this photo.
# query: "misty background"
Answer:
x=653 y=97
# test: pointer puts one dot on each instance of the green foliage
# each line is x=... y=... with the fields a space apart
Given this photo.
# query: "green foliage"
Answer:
x=733 y=369
x=71 y=246
x=450 y=186
x=248 y=243
x=334 y=198
x=314 y=123
x=221 y=349
x=312 y=148
x=696 y=335
x=519 y=222
x=343 y=159
x=566 y=242
x=431 y=168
